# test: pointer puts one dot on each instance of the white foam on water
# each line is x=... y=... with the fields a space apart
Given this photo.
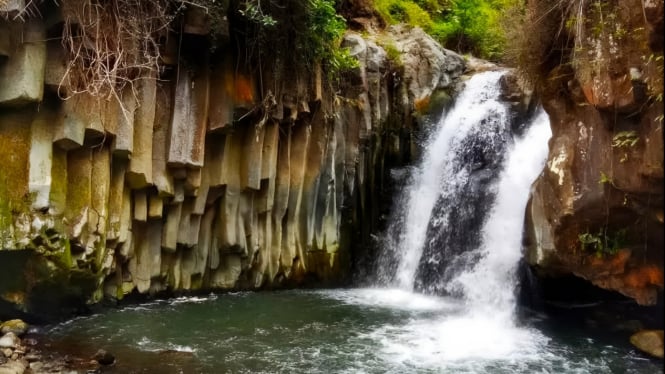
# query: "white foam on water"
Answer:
x=393 y=298
x=454 y=337
x=191 y=299
x=471 y=339
x=146 y=344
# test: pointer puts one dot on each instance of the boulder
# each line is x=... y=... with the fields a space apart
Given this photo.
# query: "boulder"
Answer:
x=15 y=326
x=477 y=65
x=427 y=65
x=13 y=367
x=649 y=341
x=103 y=357
x=9 y=340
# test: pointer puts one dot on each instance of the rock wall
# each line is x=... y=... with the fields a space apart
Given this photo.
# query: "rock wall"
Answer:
x=204 y=177
x=596 y=211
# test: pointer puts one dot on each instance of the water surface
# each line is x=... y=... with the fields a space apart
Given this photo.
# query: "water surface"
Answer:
x=337 y=331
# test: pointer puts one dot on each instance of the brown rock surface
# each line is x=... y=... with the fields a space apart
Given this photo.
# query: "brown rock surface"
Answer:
x=594 y=211
x=649 y=341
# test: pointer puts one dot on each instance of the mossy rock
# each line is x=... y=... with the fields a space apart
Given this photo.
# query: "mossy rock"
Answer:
x=15 y=326
x=438 y=101
x=38 y=290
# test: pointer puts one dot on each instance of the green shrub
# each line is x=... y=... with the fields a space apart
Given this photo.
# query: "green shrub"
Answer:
x=467 y=26
x=303 y=33
x=603 y=243
x=400 y=11
x=325 y=31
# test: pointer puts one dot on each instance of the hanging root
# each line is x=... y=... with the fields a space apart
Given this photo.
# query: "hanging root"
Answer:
x=112 y=43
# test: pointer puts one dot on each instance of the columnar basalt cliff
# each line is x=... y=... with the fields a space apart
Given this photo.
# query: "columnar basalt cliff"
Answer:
x=596 y=211
x=214 y=174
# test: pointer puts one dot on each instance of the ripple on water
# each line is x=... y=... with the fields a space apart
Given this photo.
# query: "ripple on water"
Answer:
x=146 y=344
x=392 y=299
x=340 y=331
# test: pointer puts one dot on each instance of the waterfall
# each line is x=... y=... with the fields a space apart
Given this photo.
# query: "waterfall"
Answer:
x=444 y=198
x=457 y=228
x=491 y=281
x=457 y=231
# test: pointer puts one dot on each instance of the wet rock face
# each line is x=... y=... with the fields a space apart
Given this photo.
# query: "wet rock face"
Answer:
x=596 y=211
x=427 y=66
x=202 y=179
x=649 y=341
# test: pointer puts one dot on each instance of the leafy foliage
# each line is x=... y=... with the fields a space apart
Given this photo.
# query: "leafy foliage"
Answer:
x=313 y=32
x=604 y=178
x=602 y=243
x=625 y=139
x=468 y=26
x=326 y=29
x=253 y=13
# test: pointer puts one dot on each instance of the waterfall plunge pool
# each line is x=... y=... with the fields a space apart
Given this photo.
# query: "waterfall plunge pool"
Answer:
x=367 y=330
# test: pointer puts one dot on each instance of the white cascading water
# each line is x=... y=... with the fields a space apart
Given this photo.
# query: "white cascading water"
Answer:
x=491 y=282
x=480 y=327
x=436 y=175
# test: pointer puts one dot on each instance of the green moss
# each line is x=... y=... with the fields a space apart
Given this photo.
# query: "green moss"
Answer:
x=439 y=100
x=67 y=254
x=58 y=193
x=79 y=172
x=14 y=158
x=196 y=282
x=393 y=54
x=119 y=295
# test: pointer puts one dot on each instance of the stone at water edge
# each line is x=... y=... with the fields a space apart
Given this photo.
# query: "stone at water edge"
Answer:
x=16 y=326
x=9 y=340
x=104 y=358
x=649 y=341
x=13 y=367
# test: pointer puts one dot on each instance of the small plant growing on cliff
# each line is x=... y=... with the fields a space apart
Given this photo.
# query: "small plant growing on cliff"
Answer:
x=601 y=243
x=624 y=140
x=254 y=13
x=604 y=178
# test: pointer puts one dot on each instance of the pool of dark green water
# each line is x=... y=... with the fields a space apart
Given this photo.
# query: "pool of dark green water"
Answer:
x=338 y=331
